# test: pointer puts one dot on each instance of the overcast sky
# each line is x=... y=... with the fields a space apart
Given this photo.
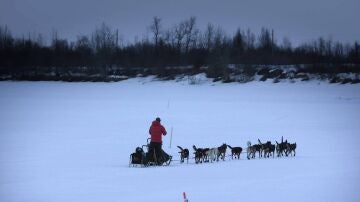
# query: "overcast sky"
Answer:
x=299 y=20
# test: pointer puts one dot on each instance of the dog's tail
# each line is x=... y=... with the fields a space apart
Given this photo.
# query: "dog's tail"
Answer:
x=194 y=147
x=259 y=141
x=229 y=146
x=180 y=148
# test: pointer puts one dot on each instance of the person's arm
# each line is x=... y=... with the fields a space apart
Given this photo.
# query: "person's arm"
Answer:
x=163 y=130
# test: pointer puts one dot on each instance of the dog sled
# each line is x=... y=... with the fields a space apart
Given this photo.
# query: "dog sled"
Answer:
x=151 y=157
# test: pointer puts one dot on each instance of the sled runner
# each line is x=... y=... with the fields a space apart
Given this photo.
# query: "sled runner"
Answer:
x=152 y=157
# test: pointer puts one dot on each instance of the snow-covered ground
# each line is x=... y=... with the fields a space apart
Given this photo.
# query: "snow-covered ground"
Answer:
x=71 y=141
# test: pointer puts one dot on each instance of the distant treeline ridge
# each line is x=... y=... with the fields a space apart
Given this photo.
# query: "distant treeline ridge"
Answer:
x=180 y=49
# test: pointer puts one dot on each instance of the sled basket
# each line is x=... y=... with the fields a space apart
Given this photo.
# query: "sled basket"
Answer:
x=156 y=158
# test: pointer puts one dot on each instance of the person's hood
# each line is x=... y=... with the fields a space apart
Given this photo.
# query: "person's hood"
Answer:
x=156 y=123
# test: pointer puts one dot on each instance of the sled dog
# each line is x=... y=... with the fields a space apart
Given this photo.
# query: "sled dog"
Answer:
x=235 y=152
x=212 y=154
x=251 y=150
x=290 y=149
x=184 y=154
x=221 y=152
x=199 y=154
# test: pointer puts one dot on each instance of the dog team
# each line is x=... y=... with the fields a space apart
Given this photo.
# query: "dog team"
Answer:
x=214 y=154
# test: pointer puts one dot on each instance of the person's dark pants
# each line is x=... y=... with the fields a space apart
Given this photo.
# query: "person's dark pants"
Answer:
x=160 y=155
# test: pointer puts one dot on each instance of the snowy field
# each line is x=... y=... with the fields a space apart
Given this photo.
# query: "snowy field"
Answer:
x=70 y=142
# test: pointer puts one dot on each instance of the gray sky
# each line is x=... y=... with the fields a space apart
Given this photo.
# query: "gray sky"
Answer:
x=299 y=20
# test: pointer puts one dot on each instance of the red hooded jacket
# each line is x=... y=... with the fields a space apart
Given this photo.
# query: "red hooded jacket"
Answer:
x=156 y=131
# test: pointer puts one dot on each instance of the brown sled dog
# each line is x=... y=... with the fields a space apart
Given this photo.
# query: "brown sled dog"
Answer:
x=200 y=154
x=235 y=152
x=221 y=152
x=267 y=148
x=184 y=154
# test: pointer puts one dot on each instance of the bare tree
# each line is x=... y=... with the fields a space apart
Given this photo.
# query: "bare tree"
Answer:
x=104 y=38
x=209 y=36
x=189 y=32
x=320 y=46
x=169 y=37
x=180 y=32
x=338 y=50
x=155 y=28
x=83 y=43
x=328 y=47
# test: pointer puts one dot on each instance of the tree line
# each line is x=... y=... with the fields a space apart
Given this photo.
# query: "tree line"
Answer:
x=180 y=48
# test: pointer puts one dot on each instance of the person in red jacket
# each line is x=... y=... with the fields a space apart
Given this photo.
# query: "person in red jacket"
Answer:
x=156 y=132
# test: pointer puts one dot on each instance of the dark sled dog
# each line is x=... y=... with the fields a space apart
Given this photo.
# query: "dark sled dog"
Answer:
x=267 y=148
x=184 y=154
x=290 y=148
x=222 y=152
x=235 y=152
x=281 y=148
x=257 y=148
x=205 y=155
x=200 y=154
x=271 y=150
x=138 y=157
